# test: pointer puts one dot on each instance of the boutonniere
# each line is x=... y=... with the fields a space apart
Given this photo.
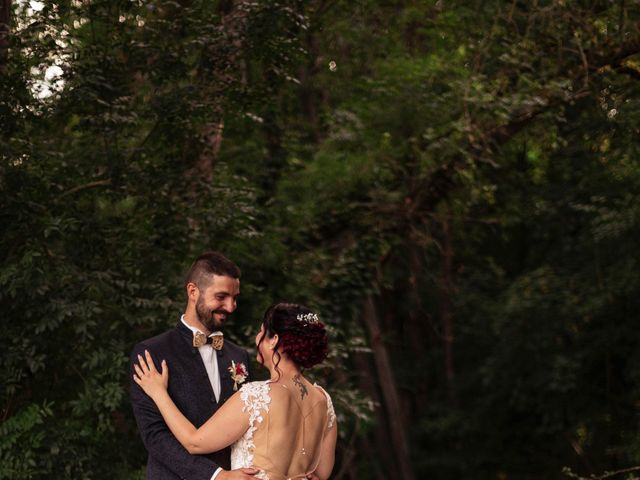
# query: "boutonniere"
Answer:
x=238 y=373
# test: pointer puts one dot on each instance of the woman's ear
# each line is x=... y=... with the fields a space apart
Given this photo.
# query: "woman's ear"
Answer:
x=273 y=341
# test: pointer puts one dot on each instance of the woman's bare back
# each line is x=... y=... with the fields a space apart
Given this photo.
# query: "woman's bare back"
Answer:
x=288 y=421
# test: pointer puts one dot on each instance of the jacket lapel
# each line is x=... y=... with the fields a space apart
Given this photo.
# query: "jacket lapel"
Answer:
x=200 y=372
x=226 y=384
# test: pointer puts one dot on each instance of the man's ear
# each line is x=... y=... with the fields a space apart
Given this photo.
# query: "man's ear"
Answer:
x=192 y=291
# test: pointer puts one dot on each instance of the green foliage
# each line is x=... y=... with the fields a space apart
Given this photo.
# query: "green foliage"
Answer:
x=470 y=165
x=22 y=441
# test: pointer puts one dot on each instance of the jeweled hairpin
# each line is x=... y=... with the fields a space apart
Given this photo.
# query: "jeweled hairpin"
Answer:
x=308 y=318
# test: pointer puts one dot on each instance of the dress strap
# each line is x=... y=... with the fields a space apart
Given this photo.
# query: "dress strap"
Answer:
x=331 y=414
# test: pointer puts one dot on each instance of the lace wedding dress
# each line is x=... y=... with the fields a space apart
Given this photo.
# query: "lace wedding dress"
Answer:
x=286 y=428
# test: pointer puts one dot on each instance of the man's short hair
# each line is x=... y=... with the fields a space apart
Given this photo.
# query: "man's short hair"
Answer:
x=209 y=264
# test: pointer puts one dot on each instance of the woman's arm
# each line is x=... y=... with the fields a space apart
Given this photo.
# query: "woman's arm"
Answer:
x=327 y=453
x=221 y=430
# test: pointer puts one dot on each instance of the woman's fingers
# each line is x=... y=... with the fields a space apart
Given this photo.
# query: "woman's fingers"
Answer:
x=146 y=363
x=152 y=366
x=143 y=364
x=146 y=370
x=138 y=370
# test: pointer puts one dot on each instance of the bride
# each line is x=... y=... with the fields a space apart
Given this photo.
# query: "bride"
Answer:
x=284 y=427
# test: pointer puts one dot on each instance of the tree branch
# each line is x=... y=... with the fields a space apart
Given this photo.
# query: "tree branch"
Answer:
x=97 y=183
x=442 y=179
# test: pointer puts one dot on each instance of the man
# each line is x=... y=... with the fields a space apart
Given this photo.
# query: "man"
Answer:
x=200 y=382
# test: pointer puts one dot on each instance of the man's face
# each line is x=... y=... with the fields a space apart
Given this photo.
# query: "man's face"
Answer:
x=217 y=301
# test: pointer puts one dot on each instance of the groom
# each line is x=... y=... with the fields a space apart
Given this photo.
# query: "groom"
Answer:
x=200 y=382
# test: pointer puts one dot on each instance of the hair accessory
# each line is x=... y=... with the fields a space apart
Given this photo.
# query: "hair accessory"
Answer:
x=308 y=318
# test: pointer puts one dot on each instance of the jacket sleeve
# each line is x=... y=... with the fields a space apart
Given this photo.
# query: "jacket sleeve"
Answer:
x=156 y=436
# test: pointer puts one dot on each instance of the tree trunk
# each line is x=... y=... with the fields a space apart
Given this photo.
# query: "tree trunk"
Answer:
x=420 y=328
x=5 y=31
x=446 y=313
x=376 y=448
x=398 y=439
x=313 y=98
x=212 y=139
x=233 y=22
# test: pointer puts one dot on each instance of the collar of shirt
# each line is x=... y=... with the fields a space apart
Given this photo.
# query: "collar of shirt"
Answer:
x=196 y=330
x=210 y=361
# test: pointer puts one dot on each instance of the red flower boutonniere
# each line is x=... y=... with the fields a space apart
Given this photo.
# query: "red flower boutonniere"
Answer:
x=238 y=373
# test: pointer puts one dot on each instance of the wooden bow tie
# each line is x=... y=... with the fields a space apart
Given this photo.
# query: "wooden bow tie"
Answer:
x=200 y=339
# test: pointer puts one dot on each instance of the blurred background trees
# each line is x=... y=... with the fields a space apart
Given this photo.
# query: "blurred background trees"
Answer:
x=453 y=185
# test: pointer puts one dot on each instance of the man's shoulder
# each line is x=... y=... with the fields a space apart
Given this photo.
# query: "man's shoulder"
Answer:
x=234 y=347
x=161 y=341
x=236 y=352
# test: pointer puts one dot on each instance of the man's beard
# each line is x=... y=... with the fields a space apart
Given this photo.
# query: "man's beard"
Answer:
x=206 y=316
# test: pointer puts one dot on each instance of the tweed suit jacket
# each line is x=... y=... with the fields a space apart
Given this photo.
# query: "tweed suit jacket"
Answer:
x=190 y=389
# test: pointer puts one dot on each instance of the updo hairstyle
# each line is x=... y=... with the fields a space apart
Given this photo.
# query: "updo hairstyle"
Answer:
x=300 y=334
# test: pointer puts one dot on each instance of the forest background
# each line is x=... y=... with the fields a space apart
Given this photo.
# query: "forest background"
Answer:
x=453 y=185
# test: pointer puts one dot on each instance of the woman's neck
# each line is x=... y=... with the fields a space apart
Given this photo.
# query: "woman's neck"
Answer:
x=286 y=370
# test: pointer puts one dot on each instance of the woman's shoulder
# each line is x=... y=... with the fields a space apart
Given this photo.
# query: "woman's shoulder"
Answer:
x=255 y=386
x=255 y=396
x=330 y=410
x=326 y=394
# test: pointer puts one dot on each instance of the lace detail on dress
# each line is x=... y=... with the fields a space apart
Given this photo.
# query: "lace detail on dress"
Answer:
x=331 y=413
x=256 y=399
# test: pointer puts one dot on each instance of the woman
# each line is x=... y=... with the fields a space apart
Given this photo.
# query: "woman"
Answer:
x=284 y=426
